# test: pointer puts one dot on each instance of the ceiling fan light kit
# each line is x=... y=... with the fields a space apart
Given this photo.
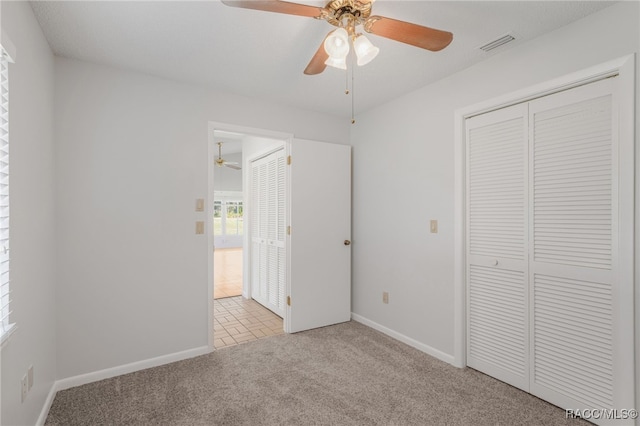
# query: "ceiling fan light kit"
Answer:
x=340 y=63
x=365 y=50
x=337 y=44
x=347 y=15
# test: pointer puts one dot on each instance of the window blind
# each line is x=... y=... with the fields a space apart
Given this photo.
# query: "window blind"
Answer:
x=5 y=325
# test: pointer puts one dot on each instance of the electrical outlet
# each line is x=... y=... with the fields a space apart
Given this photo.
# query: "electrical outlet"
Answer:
x=199 y=204
x=434 y=226
x=385 y=297
x=23 y=388
x=30 y=377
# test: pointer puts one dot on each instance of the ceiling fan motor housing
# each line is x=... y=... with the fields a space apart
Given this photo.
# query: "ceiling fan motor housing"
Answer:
x=337 y=10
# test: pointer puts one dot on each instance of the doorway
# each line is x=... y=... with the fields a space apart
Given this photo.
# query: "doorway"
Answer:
x=314 y=295
x=240 y=314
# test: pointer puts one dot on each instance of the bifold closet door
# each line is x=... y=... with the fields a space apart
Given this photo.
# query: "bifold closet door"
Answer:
x=580 y=357
x=497 y=249
x=546 y=305
x=267 y=227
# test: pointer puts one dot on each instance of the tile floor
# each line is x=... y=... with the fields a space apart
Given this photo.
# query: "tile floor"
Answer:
x=238 y=320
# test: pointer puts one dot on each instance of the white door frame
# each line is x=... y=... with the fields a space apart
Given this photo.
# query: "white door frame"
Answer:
x=629 y=187
x=211 y=153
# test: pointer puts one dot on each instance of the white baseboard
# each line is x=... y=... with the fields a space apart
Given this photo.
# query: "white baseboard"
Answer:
x=405 y=339
x=107 y=373
x=47 y=405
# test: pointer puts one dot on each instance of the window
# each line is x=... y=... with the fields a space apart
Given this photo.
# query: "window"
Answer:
x=217 y=218
x=234 y=223
x=5 y=326
x=228 y=218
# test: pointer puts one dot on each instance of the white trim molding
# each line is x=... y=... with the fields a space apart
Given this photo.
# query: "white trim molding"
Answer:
x=107 y=373
x=442 y=356
x=8 y=47
x=42 y=418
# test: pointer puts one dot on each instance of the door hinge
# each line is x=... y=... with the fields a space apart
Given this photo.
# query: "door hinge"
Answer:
x=288 y=230
x=288 y=160
x=288 y=300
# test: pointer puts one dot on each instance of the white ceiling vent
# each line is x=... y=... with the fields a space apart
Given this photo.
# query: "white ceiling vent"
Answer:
x=497 y=42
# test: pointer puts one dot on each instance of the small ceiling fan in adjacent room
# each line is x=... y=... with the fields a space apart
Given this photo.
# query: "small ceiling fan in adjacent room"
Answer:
x=221 y=162
x=348 y=15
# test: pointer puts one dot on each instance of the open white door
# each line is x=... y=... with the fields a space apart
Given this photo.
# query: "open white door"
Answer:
x=319 y=283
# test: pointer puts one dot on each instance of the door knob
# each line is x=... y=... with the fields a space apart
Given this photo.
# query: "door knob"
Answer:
x=347 y=242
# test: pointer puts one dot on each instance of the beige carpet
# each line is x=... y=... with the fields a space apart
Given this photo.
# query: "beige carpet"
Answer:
x=346 y=374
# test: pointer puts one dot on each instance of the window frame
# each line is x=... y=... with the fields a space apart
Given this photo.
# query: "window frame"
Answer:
x=7 y=328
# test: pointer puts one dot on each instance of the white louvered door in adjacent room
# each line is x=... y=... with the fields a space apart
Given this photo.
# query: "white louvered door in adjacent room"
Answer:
x=545 y=305
x=267 y=227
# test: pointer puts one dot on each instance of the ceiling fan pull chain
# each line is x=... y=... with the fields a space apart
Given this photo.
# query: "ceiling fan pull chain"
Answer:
x=346 y=82
x=353 y=119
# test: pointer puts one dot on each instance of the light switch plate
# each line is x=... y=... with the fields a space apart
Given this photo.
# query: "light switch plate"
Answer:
x=199 y=204
x=434 y=226
x=199 y=227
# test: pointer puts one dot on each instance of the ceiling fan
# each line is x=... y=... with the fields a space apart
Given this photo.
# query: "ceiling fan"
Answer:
x=347 y=15
x=221 y=162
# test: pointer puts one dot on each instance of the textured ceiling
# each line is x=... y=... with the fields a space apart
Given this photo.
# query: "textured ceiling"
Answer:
x=263 y=54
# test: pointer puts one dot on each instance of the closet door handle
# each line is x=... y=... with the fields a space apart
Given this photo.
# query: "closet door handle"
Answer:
x=347 y=242
x=495 y=262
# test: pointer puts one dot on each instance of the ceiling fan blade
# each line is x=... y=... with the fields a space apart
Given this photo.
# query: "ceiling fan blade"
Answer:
x=232 y=166
x=277 y=6
x=405 y=32
x=317 y=65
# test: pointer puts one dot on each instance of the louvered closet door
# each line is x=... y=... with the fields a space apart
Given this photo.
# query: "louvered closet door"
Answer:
x=497 y=296
x=578 y=345
x=258 y=210
x=268 y=255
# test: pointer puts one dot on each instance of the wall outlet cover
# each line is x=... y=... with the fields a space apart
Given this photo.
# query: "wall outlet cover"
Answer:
x=23 y=388
x=30 y=377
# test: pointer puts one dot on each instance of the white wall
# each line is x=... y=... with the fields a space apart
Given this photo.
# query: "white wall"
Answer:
x=227 y=179
x=131 y=160
x=395 y=196
x=32 y=218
